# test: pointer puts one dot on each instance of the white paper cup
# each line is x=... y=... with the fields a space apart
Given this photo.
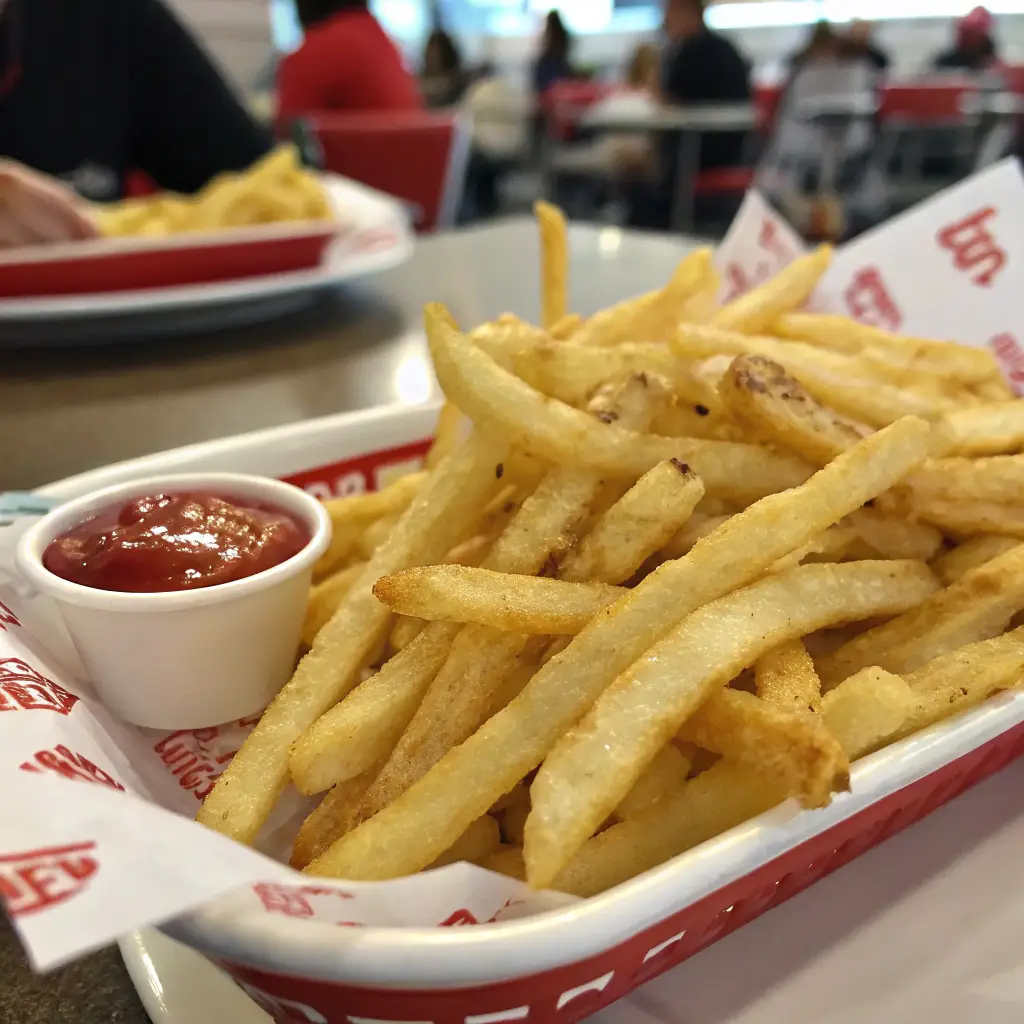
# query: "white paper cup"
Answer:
x=191 y=658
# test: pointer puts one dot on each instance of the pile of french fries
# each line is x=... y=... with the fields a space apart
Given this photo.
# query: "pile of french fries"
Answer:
x=687 y=562
x=275 y=189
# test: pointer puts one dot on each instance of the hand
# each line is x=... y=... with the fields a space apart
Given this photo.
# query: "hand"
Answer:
x=36 y=209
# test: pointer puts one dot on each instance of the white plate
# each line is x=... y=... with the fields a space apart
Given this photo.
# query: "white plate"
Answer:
x=926 y=927
x=379 y=237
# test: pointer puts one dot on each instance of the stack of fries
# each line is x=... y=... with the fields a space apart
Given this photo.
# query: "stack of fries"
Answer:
x=688 y=562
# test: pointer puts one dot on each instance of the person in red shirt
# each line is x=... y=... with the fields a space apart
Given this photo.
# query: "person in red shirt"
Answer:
x=346 y=62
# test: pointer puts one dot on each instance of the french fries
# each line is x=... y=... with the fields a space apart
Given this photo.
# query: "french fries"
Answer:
x=520 y=604
x=429 y=527
x=275 y=189
x=667 y=566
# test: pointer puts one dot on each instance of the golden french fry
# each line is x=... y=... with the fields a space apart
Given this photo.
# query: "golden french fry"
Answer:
x=789 y=745
x=787 y=678
x=785 y=292
x=519 y=604
x=641 y=522
x=554 y=243
x=545 y=427
x=507 y=861
x=480 y=840
x=662 y=777
x=965 y=518
x=892 y=537
x=245 y=794
x=702 y=305
x=778 y=410
x=711 y=803
x=840 y=382
x=961 y=679
x=324 y=599
x=592 y=768
x=513 y=821
x=867 y=710
x=949 y=567
x=975 y=607
x=943 y=358
x=362 y=730
x=565 y=328
x=998 y=479
x=430 y=816
x=993 y=429
x=446 y=436
x=404 y=631
x=327 y=820
x=464 y=692
x=651 y=317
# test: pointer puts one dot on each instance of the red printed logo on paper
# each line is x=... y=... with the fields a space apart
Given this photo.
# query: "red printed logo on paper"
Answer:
x=39 y=879
x=975 y=250
x=868 y=300
x=23 y=688
x=61 y=760
x=7 y=618
x=188 y=756
x=294 y=900
x=740 y=281
x=1010 y=355
x=459 y=918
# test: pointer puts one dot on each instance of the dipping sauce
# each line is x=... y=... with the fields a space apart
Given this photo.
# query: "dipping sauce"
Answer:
x=167 y=542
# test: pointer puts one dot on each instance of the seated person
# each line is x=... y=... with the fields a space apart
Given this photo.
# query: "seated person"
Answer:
x=92 y=90
x=700 y=67
x=975 y=46
x=443 y=81
x=704 y=67
x=346 y=63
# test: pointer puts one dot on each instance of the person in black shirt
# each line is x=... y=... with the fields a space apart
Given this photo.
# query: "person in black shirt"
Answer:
x=975 y=48
x=553 y=62
x=91 y=90
x=704 y=67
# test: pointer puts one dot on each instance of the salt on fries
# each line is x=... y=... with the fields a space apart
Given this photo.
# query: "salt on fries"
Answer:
x=687 y=562
x=275 y=189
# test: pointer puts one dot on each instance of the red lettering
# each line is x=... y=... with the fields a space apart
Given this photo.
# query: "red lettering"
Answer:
x=868 y=300
x=7 y=617
x=62 y=761
x=975 y=250
x=38 y=879
x=283 y=899
x=1010 y=356
x=22 y=688
x=458 y=918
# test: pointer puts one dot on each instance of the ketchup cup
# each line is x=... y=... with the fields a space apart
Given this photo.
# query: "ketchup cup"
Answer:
x=187 y=658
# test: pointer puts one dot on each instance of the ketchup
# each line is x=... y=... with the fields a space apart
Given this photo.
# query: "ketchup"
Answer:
x=166 y=542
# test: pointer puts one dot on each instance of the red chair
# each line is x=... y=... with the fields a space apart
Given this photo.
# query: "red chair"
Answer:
x=419 y=157
x=926 y=104
x=766 y=101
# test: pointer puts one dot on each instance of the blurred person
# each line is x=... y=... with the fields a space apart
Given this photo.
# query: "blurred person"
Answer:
x=859 y=45
x=823 y=46
x=637 y=97
x=91 y=90
x=975 y=47
x=346 y=63
x=552 y=64
x=704 y=67
x=443 y=80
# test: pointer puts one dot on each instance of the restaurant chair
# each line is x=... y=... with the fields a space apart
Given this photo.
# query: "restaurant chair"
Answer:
x=419 y=157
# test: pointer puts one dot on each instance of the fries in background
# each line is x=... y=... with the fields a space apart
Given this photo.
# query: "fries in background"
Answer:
x=622 y=593
x=276 y=189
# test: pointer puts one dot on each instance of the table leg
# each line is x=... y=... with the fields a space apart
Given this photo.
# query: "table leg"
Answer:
x=687 y=162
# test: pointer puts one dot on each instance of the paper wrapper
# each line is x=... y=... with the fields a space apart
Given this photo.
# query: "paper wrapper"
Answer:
x=96 y=830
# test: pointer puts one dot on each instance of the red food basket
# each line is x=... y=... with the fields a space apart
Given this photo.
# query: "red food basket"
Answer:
x=564 y=964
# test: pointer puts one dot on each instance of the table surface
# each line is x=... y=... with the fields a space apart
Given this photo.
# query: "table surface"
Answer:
x=705 y=119
x=65 y=411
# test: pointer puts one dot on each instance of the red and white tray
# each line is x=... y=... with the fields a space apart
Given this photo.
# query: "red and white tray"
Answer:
x=138 y=285
x=563 y=964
